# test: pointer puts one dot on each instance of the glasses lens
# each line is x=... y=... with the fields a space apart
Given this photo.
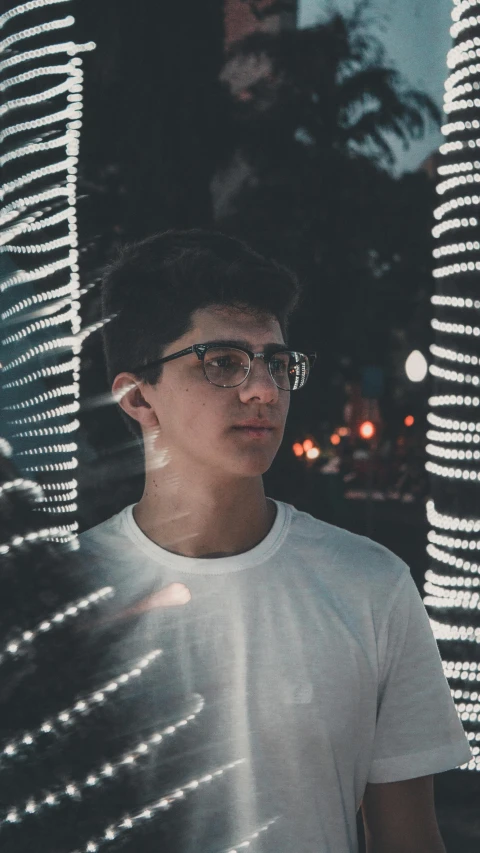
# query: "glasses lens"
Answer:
x=225 y=367
x=289 y=370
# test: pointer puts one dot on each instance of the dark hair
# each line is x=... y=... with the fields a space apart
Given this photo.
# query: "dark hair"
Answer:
x=153 y=287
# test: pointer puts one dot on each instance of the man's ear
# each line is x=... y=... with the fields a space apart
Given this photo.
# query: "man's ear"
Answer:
x=128 y=392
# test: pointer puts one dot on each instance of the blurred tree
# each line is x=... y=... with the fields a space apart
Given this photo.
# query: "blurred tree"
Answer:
x=314 y=137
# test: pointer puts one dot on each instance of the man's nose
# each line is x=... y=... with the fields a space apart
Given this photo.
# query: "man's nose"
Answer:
x=259 y=383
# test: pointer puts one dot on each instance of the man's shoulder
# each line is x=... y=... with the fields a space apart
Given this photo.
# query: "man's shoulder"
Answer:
x=106 y=533
x=343 y=551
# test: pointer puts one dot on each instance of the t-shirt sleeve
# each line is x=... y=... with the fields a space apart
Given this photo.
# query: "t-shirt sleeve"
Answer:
x=418 y=731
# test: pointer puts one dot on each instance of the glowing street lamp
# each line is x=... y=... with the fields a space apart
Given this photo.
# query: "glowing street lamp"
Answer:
x=298 y=449
x=416 y=366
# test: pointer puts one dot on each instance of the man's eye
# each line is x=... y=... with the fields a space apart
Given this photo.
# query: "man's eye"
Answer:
x=223 y=361
x=279 y=365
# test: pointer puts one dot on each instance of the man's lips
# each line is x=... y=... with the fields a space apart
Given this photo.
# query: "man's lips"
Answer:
x=254 y=425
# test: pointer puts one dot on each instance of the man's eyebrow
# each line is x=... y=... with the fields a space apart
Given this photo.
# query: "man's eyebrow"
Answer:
x=275 y=346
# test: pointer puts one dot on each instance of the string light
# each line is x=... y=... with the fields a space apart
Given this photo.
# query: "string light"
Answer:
x=26 y=7
x=455 y=439
x=453 y=400
x=36 y=31
x=20 y=483
x=101 y=775
x=55 y=370
x=68 y=716
x=32 y=213
x=39 y=299
x=454 y=376
x=130 y=822
x=58 y=533
x=452 y=560
x=15 y=646
x=246 y=842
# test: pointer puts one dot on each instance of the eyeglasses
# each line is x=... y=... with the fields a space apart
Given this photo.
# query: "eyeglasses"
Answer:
x=228 y=367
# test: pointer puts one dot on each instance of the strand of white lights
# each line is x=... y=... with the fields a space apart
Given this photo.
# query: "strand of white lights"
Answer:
x=36 y=31
x=246 y=842
x=448 y=423
x=18 y=540
x=454 y=204
x=454 y=633
x=453 y=355
x=40 y=324
x=26 y=7
x=69 y=465
x=38 y=299
x=55 y=448
x=66 y=496
x=453 y=400
x=451 y=560
x=38 y=247
x=15 y=647
x=55 y=370
x=130 y=822
x=20 y=484
x=457 y=248
x=454 y=376
x=453 y=269
x=451 y=600
x=461 y=54
x=63 y=391
x=458 y=180
x=72 y=114
x=442 y=591
x=453 y=542
x=58 y=106
x=450 y=522
x=462 y=6
x=30 y=225
x=69 y=47
x=464 y=24
x=100 y=775
x=60 y=411
x=70 y=484
x=449 y=473
x=447 y=580
x=68 y=716
x=59 y=343
x=452 y=453
x=36 y=275
x=61 y=429
x=453 y=437
x=451 y=224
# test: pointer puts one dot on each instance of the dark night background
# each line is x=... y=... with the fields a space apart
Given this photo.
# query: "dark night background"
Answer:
x=224 y=114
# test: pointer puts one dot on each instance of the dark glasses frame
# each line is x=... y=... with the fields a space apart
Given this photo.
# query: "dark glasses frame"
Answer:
x=201 y=349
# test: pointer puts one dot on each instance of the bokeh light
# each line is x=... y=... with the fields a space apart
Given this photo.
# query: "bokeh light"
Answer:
x=367 y=429
x=416 y=366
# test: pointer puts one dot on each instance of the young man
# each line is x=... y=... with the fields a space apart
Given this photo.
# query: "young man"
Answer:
x=310 y=646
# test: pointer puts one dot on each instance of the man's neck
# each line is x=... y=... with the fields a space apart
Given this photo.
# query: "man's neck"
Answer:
x=205 y=522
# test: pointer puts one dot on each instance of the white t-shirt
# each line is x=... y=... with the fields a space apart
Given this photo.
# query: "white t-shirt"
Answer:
x=315 y=658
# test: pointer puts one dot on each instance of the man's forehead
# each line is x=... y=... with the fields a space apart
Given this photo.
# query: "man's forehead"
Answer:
x=237 y=325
